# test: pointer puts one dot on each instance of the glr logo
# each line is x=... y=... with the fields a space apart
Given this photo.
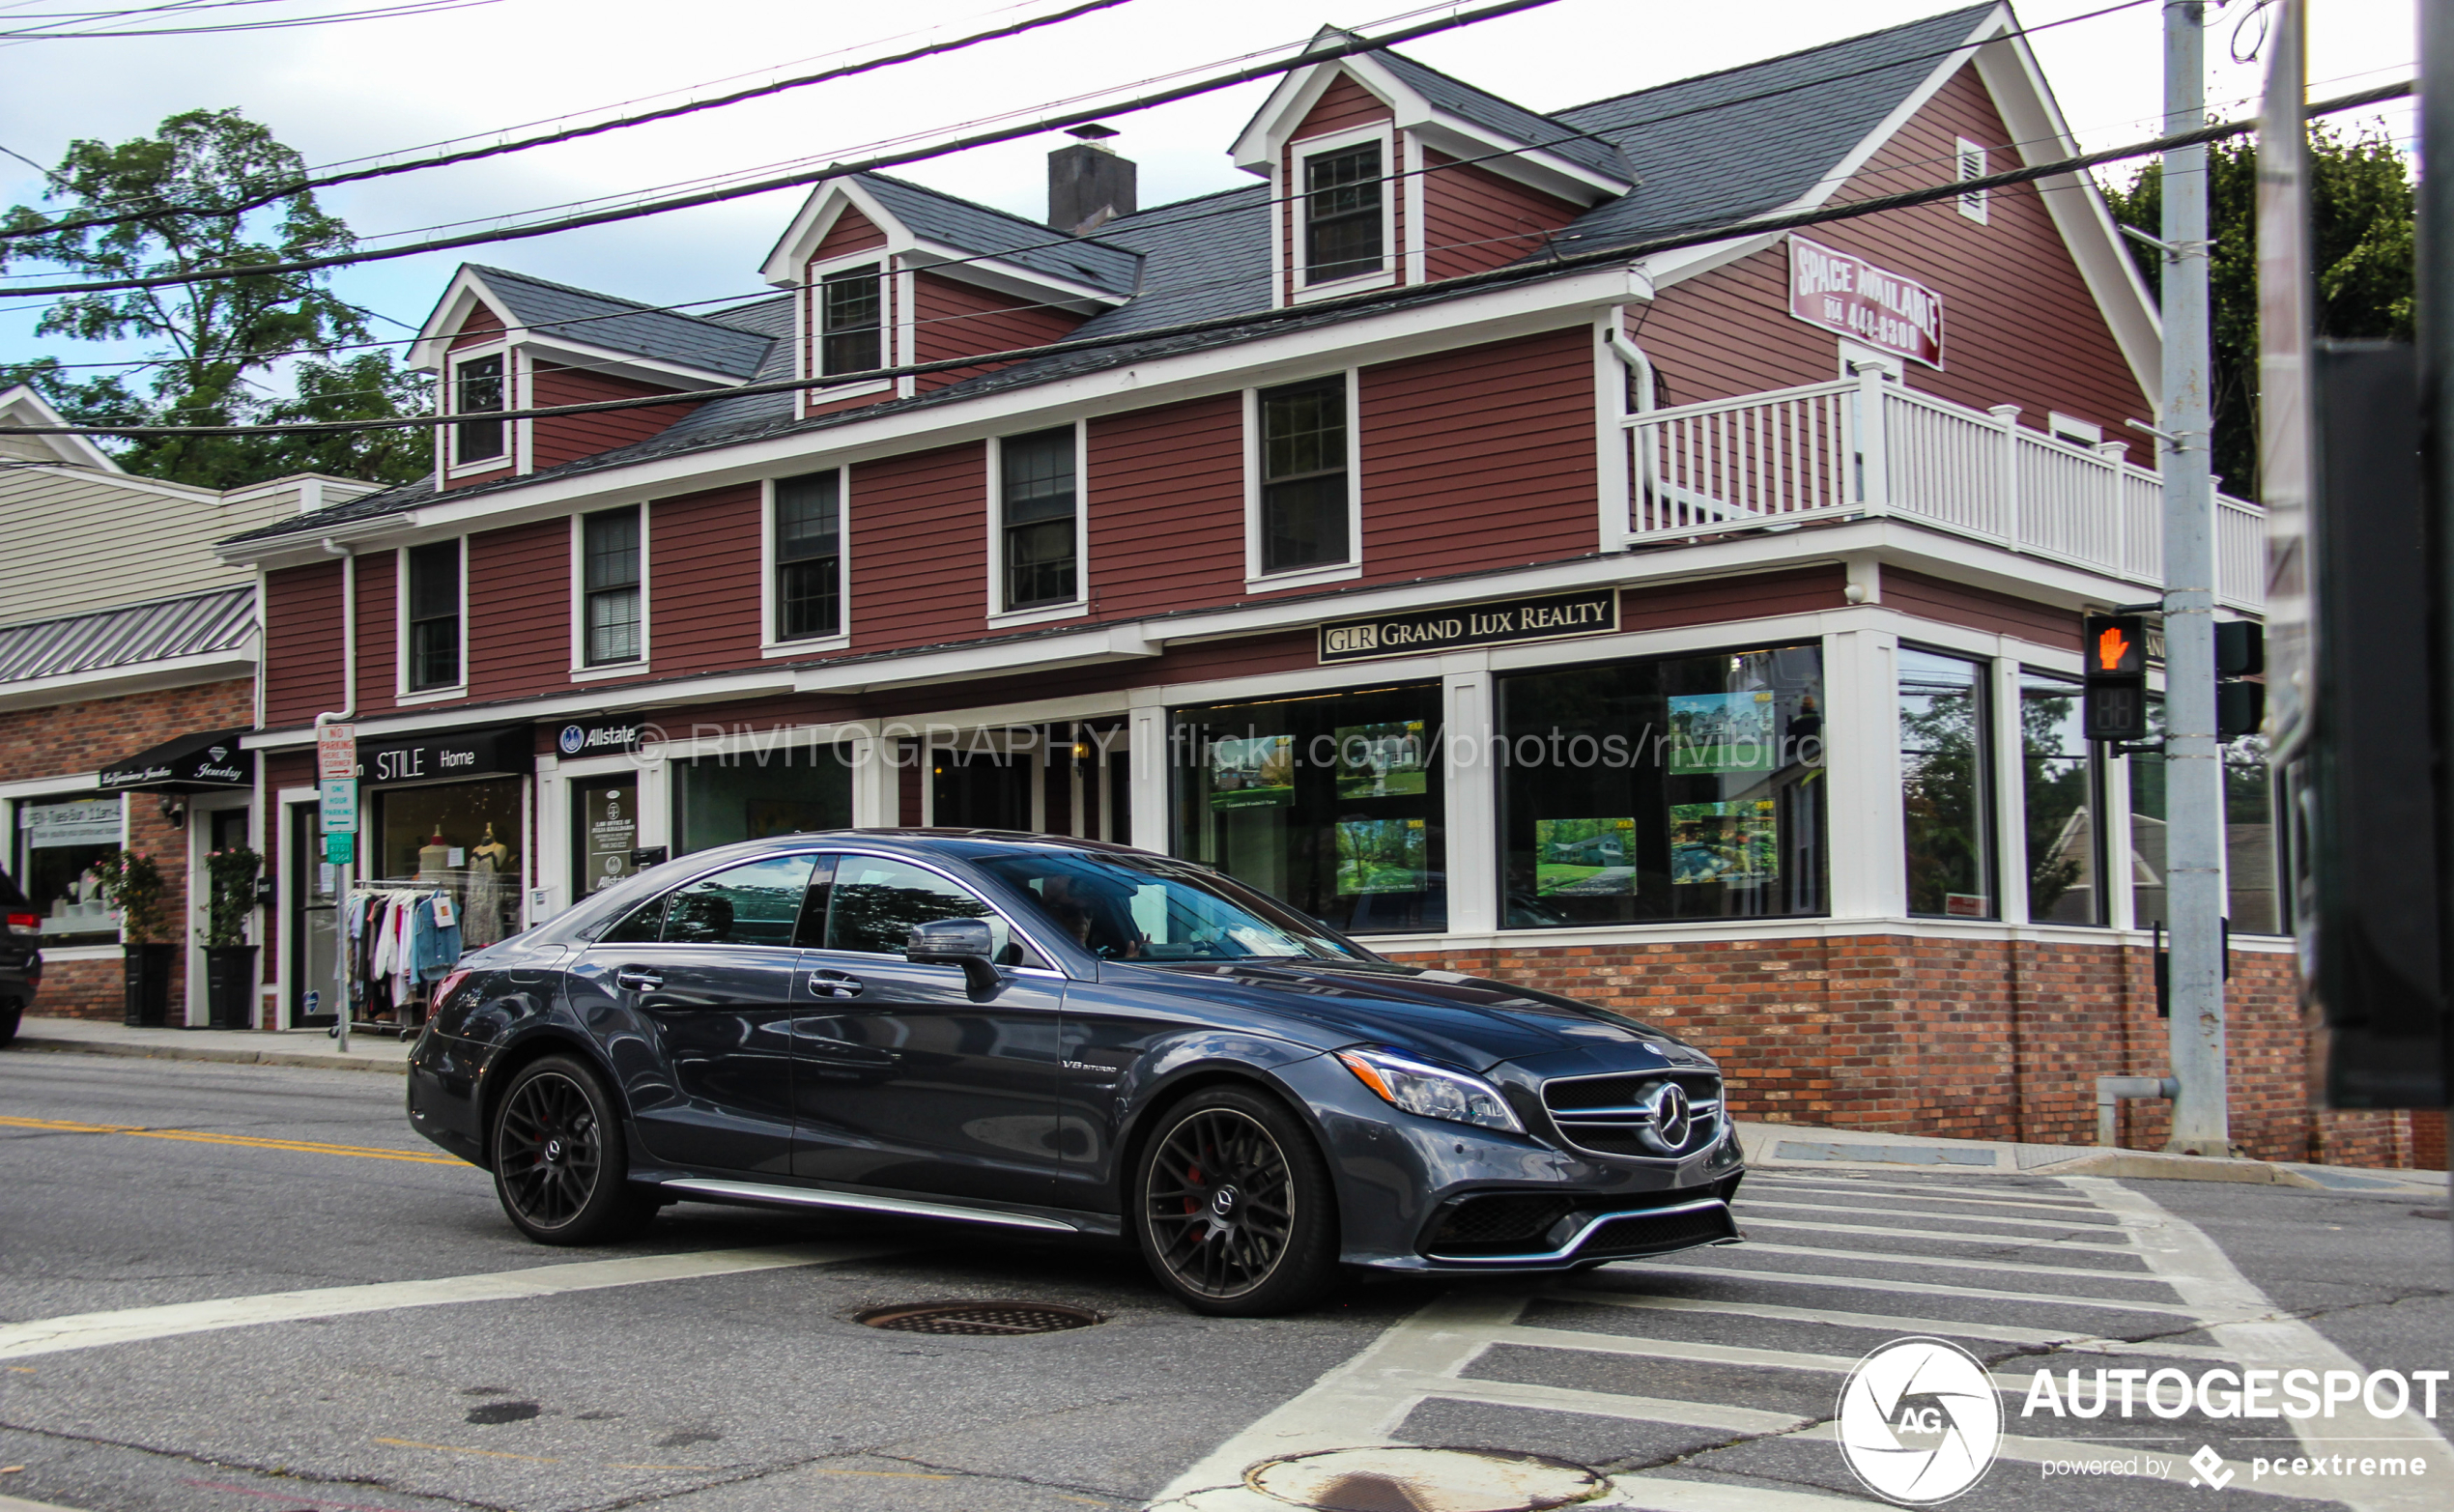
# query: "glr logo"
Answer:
x=2210 y=1465
x=1920 y=1421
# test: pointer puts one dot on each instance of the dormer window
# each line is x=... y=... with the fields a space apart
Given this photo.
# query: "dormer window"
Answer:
x=849 y=321
x=1342 y=220
x=477 y=390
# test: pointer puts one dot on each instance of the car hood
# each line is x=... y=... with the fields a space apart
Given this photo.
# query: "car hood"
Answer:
x=1469 y=1022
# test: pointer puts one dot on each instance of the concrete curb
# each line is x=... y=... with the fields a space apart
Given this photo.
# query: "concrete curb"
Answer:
x=20 y=1505
x=1800 y=1147
x=328 y=1061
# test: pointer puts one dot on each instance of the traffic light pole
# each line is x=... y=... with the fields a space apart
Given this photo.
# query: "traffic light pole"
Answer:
x=2193 y=757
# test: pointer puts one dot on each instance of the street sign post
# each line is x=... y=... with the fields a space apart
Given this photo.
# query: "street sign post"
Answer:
x=336 y=751
x=337 y=803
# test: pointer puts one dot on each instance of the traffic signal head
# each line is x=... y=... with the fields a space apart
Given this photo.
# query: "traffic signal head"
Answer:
x=2114 y=707
x=2240 y=648
x=2116 y=646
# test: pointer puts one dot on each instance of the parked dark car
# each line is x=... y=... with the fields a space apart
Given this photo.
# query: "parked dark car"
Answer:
x=1066 y=1036
x=20 y=956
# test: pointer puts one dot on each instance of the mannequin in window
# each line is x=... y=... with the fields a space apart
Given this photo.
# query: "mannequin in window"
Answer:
x=434 y=858
x=490 y=886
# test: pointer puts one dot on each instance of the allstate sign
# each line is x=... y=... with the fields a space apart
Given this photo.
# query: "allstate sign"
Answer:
x=598 y=739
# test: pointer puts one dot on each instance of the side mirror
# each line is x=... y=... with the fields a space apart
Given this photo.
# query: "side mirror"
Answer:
x=956 y=942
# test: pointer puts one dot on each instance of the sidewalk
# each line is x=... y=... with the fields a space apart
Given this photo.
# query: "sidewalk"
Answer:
x=311 y=1047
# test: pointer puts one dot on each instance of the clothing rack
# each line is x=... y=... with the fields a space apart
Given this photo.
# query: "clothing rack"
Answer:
x=395 y=998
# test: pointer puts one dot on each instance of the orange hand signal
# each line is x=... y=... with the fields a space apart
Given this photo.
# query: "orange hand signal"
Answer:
x=2111 y=648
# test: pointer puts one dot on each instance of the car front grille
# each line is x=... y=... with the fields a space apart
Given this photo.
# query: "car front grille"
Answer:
x=1658 y=1232
x=1622 y=1116
x=1500 y=1224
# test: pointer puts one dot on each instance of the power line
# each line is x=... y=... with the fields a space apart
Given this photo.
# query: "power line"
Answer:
x=379 y=14
x=1492 y=278
x=265 y=196
x=1062 y=118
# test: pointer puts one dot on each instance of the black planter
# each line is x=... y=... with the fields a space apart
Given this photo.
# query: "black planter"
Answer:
x=230 y=986
x=149 y=968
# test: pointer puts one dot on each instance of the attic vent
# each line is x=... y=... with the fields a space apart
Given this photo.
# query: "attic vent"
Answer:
x=1972 y=165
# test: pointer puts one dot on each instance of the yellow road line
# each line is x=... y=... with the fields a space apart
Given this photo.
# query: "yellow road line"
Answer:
x=245 y=1141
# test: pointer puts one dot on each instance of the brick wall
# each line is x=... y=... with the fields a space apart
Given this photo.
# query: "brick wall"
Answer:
x=71 y=738
x=1967 y=1038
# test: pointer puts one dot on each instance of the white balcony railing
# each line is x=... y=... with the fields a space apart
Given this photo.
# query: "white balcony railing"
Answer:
x=1793 y=455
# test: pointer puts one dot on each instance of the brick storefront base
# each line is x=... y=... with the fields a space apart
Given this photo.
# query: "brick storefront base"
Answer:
x=1972 y=1038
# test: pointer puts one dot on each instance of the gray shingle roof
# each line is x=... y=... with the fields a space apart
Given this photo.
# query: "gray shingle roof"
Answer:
x=192 y=625
x=601 y=320
x=1512 y=122
x=961 y=223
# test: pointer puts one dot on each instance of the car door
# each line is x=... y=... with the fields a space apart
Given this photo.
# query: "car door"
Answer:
x=905 y=1077
x=692 y=995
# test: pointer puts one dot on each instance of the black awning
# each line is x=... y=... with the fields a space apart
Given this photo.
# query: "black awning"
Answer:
x=207 y=762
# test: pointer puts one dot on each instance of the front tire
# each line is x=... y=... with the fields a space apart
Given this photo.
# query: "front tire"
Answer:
x=561 y=1166
x=1234 y=1209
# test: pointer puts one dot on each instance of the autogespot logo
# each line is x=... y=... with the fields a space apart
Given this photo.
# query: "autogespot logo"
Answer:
x=1920 y=1421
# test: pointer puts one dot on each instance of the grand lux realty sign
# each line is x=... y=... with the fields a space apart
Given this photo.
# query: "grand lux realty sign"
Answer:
x=1549 y=616
x=1866 y=304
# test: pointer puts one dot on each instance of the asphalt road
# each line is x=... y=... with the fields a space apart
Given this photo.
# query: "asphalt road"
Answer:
x=310 y=1308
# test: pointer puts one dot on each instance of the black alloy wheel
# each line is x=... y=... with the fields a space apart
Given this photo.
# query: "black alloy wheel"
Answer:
x=1234 y=1207
x=561 y=1167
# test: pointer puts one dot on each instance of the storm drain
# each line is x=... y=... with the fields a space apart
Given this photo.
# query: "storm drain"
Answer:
x=1399 y=1478
x=984 y=1320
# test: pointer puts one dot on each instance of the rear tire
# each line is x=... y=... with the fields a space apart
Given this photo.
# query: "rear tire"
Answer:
x=1234 y=1209
x=561 y=1165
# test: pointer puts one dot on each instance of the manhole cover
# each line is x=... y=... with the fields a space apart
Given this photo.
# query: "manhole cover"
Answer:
x=980 y=1319
x=1424 y=1480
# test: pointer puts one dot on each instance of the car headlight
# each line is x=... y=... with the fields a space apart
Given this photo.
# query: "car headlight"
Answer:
x=1431 y=1091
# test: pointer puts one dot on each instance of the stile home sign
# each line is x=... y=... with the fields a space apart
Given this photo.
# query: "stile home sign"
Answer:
x=1853 y=297
x=1548 y=617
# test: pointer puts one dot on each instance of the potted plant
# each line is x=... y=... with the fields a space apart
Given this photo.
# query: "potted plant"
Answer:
x=131 y=884
x=230 y=961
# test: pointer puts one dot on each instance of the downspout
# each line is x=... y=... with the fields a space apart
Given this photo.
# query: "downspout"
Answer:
x=346 y=712
x=1635 y=448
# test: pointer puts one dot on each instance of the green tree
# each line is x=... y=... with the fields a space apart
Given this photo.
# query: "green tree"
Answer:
x=221 y=339
x=2361 y=208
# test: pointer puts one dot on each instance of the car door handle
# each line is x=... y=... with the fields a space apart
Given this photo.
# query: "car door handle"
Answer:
x=834 y=984
x=637 y=979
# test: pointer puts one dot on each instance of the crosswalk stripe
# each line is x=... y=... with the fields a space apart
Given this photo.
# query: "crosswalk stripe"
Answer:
x=1592 y=1404
x=1656 y=1493
x=1910 y=1189
x=2018 y=1241
x=1914 y=1288
x=1748 y=1204
x=1534 y=1336
x=2073 y=1341
x=1938 y=1262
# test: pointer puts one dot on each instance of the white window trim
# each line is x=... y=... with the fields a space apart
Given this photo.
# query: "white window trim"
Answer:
x=1255 y=580
x=1857 y=356
x=1392 y=256
x=2070 y=428
x=1068 y=608
x=401 y=693
x=890 y=318
x=1971 y=203
x=769 y=645
x=70 y=787
x=1417 y=246
x=514 y=441
x=582 y=669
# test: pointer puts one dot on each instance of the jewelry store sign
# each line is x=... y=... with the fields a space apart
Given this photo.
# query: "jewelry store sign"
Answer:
x=1549 y=616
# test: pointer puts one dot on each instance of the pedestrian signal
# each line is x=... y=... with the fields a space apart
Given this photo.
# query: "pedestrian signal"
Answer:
x=2115 y=704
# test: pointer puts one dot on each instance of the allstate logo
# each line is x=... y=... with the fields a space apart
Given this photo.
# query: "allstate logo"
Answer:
x=573 y=741
x=1920 y=1421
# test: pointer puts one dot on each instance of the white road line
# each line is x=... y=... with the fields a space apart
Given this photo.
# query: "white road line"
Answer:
x=1748 y=1204
x=1894 y=1323
x=130 y=1325
x=1531 y=1337
x=1938 y=1262
x=1595 y=1404
x=1758 y=1179
x=2017 y=1241
x=1656 y=1494
x=1922 y=1289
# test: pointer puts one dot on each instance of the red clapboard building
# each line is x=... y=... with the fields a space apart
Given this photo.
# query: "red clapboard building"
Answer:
x=1696 y=631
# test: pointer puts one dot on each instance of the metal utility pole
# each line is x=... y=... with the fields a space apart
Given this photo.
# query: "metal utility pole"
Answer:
x=2193 y=757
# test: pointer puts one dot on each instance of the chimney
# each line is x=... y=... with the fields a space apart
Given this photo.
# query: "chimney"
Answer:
x=1088 y=184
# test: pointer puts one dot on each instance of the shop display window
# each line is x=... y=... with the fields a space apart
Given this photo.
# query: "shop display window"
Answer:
x=1946 y=786
x=460 y=837
x=749 y=795
x=1333 y=804
x=2252 y=900
x=2147 y=823
x=2060 y=794
x=57 y=840
x=1687 y=788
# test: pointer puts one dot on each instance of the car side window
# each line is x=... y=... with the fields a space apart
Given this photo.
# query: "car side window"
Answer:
x=758 y=903
x=875 y=900
x=642 y=925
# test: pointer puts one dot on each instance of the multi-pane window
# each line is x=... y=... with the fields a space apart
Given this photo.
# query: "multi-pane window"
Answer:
x=478 y=391
x=1945 y=785
x=850 y=317
x=2060 y=799
x=434 y=616
x=1303 y=475
x=1342 y=214
x=610 y=587
x=809 y=555
x=2252 y=901
x=1036 y=477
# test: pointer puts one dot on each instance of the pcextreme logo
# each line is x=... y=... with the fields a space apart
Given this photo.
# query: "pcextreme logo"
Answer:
x=1919 y=1422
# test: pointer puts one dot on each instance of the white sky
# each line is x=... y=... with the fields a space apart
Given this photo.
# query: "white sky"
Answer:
x=343 y=91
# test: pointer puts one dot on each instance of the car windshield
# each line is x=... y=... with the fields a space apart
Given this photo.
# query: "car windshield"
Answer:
x=1143 y=908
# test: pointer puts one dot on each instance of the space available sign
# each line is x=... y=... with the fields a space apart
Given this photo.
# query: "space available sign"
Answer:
x=1546 y=617
x=1870 y=304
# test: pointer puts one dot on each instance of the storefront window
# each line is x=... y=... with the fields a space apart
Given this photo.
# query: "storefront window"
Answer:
x=57 y=840
x=1333 y=804
x=2251 y=898
x=1681 y=788
x=2059 y=789
x=460 y=837
x=749 y=795
x=2147 y=823
x=1945 y=788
